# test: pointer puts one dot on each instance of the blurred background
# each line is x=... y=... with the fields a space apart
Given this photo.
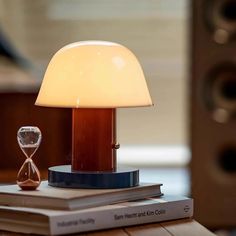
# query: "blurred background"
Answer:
x=187 y=50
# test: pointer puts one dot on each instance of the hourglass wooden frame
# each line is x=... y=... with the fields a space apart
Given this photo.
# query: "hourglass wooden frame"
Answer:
x=94 y=78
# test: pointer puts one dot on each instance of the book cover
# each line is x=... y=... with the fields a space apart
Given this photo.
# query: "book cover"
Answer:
x=58 y=222
x=71 y=199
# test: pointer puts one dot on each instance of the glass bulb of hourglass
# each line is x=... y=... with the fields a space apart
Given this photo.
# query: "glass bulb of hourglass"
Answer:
x=29 y=138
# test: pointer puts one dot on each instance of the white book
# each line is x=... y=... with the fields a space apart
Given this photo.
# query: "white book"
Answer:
x=72 y=199
x=58 y=222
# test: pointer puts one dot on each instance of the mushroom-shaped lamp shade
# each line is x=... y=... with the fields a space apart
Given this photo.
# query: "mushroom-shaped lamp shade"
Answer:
x=94 y=74
x=94 y=78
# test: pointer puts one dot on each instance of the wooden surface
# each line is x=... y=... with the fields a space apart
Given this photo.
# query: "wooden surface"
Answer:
x=185 y=227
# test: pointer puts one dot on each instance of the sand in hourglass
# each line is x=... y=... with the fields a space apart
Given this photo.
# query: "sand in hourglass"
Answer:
x=28 y=176
x=28 y=184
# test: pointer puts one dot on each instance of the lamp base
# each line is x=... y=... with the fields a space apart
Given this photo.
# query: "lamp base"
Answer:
x=64 y=177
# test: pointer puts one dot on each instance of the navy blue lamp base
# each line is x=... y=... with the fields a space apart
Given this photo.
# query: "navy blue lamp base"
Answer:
x=64 y=177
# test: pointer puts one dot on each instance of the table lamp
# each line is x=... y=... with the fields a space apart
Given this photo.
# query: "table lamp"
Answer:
x=93 y=78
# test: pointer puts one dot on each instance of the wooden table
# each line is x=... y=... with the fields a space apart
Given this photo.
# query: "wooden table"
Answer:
x=185 y=227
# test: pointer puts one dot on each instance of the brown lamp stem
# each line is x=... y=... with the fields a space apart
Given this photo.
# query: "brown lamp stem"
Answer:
x=94 y=154
x=93 y=139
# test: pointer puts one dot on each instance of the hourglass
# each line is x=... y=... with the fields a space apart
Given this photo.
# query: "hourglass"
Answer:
x=29 y=138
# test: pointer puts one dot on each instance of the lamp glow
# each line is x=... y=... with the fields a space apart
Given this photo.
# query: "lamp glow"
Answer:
x=94 y=74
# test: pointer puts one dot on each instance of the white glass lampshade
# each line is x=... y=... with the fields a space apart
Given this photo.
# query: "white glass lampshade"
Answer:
x=94 y=74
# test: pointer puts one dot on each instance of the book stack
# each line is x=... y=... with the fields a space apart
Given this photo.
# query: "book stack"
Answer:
x=57 y=211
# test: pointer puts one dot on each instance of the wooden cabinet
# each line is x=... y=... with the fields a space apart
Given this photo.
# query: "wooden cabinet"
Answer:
x=18 y=109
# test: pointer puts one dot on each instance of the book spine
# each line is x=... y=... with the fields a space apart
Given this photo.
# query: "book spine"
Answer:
x=114 y=217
